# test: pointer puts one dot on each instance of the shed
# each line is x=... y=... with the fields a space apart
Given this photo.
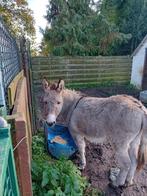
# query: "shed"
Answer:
x=139 y=65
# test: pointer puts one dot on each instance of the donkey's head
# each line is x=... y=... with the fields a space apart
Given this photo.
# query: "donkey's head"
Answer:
x=52 y=101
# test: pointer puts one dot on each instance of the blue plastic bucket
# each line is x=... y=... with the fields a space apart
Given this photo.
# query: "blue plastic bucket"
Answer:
x=59 y=150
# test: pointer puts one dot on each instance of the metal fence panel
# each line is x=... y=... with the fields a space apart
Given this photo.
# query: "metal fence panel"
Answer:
x=9 y=56
x=9 y=67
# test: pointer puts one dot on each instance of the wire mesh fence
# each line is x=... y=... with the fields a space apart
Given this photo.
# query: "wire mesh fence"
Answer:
x=10 y=64
x=9 y=55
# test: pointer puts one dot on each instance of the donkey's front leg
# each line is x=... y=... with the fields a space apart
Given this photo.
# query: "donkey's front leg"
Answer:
x=80 y=142
x=124 y=163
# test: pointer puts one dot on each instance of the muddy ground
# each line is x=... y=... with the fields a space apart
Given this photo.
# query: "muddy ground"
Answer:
x=100 y=158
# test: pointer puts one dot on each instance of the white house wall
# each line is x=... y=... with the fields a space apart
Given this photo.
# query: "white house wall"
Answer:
x=138 y=66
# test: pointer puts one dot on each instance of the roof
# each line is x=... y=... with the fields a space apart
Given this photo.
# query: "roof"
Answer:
x=139 y=46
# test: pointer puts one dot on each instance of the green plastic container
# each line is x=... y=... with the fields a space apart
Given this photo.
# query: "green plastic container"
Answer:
x=8 y=179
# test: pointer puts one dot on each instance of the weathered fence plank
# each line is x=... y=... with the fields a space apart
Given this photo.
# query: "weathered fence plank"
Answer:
x=23 y=151
x=12 y=89
x=72 y=67
x=97 y=76
x=79 y=70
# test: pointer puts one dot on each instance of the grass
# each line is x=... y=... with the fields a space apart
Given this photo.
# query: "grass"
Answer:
x=90 y=85
x=105 y=84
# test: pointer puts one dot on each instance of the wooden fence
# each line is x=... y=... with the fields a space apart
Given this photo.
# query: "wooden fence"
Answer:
x=22 y=138
x=82 y=70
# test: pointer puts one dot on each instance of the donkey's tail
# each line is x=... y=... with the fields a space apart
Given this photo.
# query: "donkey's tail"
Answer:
x=142 y=151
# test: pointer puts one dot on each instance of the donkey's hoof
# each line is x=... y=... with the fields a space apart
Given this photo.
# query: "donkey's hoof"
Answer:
x=128 y=184
x=117 y=189
x=114 y=185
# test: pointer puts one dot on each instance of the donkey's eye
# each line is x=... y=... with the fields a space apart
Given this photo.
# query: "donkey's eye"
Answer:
x=45 y=103
x=58 y=102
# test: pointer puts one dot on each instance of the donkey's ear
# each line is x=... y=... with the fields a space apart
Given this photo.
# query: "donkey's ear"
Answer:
x=45 y=84
x=60 y=85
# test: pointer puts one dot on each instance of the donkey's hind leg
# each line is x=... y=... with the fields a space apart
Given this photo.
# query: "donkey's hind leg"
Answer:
x=124 y=163
x=133 y=153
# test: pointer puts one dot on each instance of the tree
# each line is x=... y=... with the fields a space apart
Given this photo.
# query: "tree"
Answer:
x=130 y=16
x=69 y=33
x=134 y=20
x=80 y=28
x=18 y=17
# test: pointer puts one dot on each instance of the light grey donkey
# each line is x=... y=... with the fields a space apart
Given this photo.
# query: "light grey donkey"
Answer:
x=120 y=119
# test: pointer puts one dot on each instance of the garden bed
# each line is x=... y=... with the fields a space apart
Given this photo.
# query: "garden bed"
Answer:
x=53 y=177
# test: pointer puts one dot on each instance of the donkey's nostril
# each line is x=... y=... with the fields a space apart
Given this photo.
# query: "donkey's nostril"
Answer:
x=50 y=124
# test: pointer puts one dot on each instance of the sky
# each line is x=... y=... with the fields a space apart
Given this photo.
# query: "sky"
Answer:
x=39 y=9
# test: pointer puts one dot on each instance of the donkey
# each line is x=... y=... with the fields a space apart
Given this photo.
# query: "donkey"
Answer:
x=120 y=119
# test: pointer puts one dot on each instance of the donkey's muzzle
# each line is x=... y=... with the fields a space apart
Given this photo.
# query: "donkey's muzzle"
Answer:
x=50 y=124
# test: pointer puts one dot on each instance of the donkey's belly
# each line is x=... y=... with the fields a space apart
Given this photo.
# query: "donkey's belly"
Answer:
x=96 y=140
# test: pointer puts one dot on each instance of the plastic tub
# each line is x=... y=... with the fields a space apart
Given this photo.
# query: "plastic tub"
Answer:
x=59 y=150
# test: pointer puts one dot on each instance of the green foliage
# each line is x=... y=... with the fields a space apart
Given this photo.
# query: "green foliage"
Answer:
x=60 y=178
x=108 y=83
x=78 y=30
x=130 y=16
x=18 y=17
x=54 y=177
x=131 y=87
x=82 y=28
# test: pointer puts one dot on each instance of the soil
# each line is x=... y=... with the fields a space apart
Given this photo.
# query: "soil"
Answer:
x=100 y=158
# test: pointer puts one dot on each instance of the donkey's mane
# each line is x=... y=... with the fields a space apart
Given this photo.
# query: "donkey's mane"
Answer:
x=72 y=92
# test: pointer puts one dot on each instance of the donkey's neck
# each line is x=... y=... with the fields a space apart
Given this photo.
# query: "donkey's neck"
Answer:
x=70 y=98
